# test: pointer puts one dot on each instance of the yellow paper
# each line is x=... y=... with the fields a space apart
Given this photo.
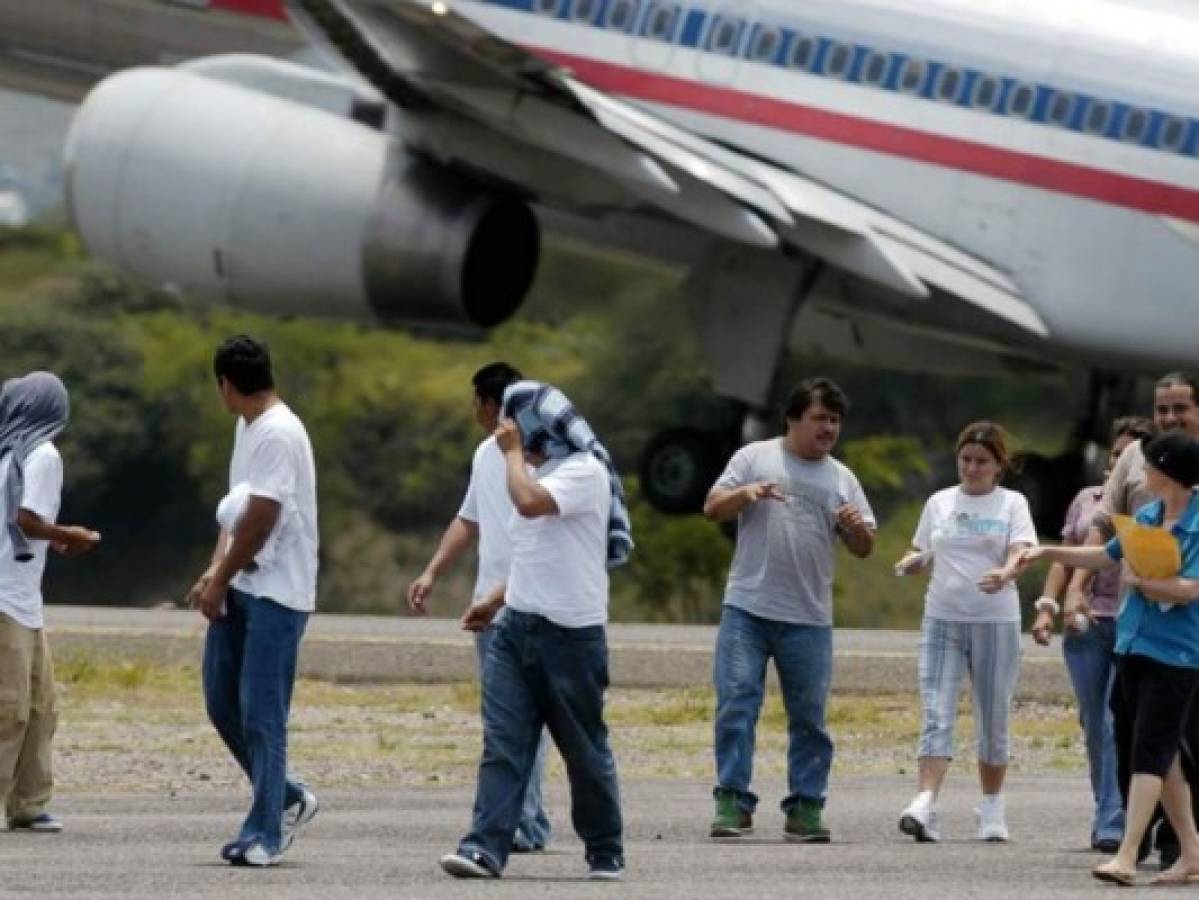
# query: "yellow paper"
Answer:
x=1151 y=552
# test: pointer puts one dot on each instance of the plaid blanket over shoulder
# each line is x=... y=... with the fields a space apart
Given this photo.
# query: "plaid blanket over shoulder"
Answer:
x=549 y=424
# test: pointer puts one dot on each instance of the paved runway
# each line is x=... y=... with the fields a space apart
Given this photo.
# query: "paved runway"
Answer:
x=385 y=844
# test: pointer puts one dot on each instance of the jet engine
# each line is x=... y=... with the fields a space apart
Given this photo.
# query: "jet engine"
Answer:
x=239 y=196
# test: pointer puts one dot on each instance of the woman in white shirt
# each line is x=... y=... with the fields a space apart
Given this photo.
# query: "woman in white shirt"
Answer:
x=970 y=535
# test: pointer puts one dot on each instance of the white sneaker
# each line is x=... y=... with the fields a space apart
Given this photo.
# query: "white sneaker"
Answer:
x=296 y=817
x=921 y=820
x=256 y=855
x=991 y=826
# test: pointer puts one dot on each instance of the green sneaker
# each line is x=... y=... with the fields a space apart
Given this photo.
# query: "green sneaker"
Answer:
x=731 y=820
x=804 y=824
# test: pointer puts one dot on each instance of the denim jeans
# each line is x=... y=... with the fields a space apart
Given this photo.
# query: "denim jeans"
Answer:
x=1090 y=661
x=540 y=675
x=803 y=658
x=249 y=671
x=533 y=832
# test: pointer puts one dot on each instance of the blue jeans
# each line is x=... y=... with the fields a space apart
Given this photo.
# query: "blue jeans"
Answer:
x=803 y=657
x=1090 y=661
x=533 y=832
x=249 y=671
x=540 y=675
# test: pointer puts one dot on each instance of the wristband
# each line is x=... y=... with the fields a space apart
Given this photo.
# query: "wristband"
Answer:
x=1047 y=604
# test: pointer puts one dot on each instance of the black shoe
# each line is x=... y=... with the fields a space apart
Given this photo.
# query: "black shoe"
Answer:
x=606 y=868
x=1106 y=845
x=468 y=865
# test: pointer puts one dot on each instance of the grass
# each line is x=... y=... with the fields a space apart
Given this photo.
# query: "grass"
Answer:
x=137 y=726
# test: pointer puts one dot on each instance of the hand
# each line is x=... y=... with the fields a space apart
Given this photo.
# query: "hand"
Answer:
x=208 y=595
x=850 y=518
x=507 y=436
x=1129 y=580
x=764 y=490
x=419 y=591
x=1042 y=628
x=1076 y=603
x=911 y=562
x=480 y=613
x=74 y=540
x=993 y=581
x=1026 y=558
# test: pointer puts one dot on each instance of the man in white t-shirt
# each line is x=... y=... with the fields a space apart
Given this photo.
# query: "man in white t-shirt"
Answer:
x=257 y=594
x=485 y=516
x=793 y=502
x=33 y=411
x=548 y=662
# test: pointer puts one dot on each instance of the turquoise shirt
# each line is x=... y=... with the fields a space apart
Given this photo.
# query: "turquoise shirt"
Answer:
x=1142 y=627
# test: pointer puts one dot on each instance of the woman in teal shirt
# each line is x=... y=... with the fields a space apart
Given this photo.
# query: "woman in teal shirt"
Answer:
x=1157 y=650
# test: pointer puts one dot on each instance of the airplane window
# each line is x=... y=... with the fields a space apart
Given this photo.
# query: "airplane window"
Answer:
x=1020 y=101
x=802 y=51
x=621 y=14
x=1136 y=123
x=875 y=70
x=723 y=36
x=1099 y=116
x=1059 y=108
x=1172 y=134
x=836 y=62
x=548 y=7
x=663 y=17
x=912 y=77
x=766 y=42
x=949 y=84
x=986 y=92
x=584 y=10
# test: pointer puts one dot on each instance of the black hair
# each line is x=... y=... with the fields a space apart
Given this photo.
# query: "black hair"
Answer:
x=492 y=380
x=1178 y=379
x=245 y=362
x=812 y=390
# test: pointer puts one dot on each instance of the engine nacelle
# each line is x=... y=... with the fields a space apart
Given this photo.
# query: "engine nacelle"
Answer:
x=237 y=196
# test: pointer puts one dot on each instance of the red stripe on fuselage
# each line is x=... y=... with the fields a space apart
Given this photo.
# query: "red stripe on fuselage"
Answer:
x=265 y=9
x=967 y=156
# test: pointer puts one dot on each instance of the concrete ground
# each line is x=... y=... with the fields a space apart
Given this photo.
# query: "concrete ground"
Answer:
x=385 y=843
x=395 y=649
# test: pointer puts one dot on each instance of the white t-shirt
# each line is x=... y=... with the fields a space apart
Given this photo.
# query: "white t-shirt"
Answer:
x=274 y=457
x=488 y=505
x=559 y=563
x=968 y=536
x=21 y=582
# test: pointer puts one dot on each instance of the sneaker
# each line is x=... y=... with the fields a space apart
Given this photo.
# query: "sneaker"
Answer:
x=805 y=825
x=232 y=851
x=921 y=819
x=991 y=826
x=606 y=868
x=468 y=865
x=43 y=823
x=257 y=856
x=296 y=817
x=731 y=820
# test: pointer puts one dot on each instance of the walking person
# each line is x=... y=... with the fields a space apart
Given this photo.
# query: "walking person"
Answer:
x=792 y=502
x=547 y=666
x=1089 y=643
x=484 y=517
x=971 y=536
x=34 y=410
x=1175 y=408
x=257 y=594
x=1157 y=649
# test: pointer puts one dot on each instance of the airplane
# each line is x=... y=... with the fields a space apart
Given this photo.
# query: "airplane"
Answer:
x=951 y=186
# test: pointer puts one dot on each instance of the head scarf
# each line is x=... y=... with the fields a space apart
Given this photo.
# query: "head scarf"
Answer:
x=549 y=425
x=33 y=409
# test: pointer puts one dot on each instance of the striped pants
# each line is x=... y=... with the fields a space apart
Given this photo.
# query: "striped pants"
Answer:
x=990 y=652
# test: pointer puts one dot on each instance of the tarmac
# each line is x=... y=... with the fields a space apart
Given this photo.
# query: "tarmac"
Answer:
x=406 y=649
x=386 y=843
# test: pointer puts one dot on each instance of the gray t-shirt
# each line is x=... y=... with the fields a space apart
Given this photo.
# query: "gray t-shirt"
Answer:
x=783 y=566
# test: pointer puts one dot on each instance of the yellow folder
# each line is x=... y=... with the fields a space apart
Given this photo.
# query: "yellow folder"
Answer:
x=1151 y=552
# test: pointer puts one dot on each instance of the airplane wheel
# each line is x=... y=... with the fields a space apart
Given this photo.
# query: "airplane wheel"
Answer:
x=677 y=469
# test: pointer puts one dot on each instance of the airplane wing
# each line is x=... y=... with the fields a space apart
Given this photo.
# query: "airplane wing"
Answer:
x=472 y=99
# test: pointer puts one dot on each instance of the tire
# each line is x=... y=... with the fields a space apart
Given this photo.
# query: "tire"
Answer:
x=677 y=469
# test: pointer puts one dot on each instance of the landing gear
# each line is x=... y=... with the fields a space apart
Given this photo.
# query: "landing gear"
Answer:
x=679 y=466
